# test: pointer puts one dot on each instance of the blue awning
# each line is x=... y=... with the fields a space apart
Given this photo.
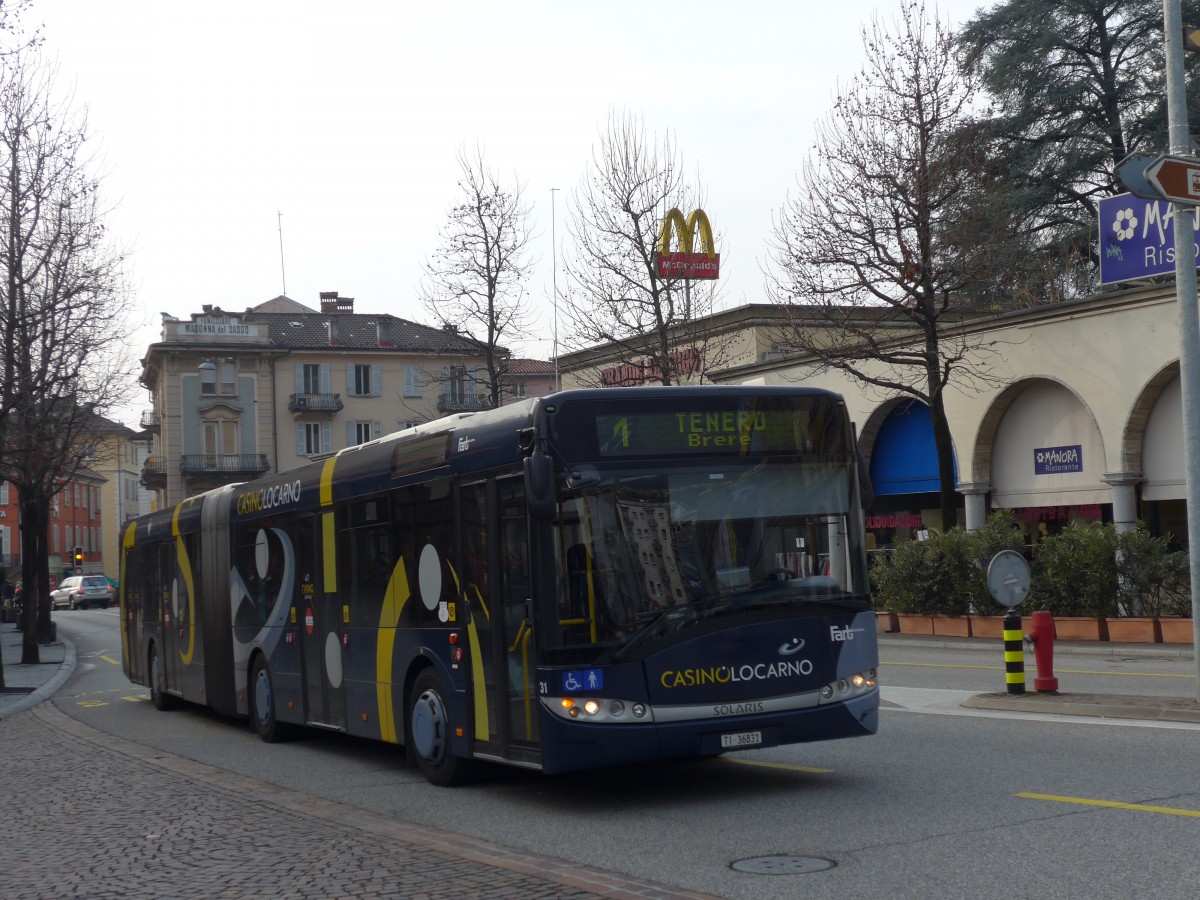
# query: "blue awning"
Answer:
x=904 y=458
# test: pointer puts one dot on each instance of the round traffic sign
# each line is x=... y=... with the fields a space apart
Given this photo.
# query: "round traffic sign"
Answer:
x=1008 y=578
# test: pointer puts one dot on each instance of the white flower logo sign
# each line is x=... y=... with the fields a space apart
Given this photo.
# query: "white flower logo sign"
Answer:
x=1124 y=224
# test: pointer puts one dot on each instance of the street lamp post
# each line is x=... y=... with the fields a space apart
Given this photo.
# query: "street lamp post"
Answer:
x=554 y=280
x=1185 y=292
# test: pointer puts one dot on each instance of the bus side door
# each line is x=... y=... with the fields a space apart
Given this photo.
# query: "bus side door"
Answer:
x=320 y=621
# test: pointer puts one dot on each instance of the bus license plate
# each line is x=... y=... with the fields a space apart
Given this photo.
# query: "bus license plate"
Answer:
x=741 y=739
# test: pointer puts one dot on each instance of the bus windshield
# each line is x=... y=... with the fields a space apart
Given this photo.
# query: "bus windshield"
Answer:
x=646 y=550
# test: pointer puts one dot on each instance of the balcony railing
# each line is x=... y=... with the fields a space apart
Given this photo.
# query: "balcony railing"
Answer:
x=306 y=403
x=463 y=404
x=154 y=476
x=241 y=464
x=150 y=420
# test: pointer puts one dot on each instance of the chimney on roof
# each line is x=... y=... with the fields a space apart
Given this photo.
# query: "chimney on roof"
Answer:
x=384 y=332
x=332 y=304
x=206 y=308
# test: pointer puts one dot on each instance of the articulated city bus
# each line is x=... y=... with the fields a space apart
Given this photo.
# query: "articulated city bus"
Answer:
x=592 y=578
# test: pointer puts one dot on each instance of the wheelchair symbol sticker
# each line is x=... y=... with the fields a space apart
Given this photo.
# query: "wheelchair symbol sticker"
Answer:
x=585 y=680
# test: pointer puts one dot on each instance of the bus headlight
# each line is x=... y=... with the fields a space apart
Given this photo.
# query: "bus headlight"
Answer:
x=597 y=709
x=853 y=685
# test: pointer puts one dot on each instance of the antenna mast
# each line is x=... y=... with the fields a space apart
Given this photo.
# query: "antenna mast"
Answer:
x=282 y=271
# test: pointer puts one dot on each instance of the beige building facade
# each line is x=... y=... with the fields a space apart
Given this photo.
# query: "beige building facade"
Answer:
x=238 y=394
x=1078 y=417
x=1075 y=414
x=117 y=458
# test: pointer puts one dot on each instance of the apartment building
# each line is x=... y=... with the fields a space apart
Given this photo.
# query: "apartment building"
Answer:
x=238 y=394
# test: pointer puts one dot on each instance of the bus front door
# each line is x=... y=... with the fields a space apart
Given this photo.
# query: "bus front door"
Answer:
x=320 y=628
x=520 y=669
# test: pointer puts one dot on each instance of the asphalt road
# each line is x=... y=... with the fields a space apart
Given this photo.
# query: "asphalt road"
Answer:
x=942 y=802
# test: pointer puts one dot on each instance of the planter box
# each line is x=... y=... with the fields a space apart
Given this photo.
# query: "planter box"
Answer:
x=1080 y=628
x=886 y=623
x=1133 y=630
x=1175 y=629
x=952 y=626
x=915 y=623
x=993 y=626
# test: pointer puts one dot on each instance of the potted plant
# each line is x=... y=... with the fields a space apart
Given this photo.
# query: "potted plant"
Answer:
x=1154 y=585
x=998 y=533
x=933 y=585
x=897 y=588
x=1075 y=579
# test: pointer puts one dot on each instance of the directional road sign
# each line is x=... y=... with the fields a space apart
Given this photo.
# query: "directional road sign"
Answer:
x=1131 y=172
x=1176 y=178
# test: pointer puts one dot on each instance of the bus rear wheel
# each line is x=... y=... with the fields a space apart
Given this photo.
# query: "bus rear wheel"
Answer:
x=262 y=703
x=429 y=728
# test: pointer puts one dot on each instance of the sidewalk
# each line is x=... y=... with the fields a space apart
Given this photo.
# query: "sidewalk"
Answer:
x=1111 y=706
x=196 y=831
x=27 y=686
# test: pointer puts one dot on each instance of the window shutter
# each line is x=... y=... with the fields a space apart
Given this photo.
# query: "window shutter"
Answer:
x=351 y=433
x=471 y=370
x=326 y=437
x=301 y=450
x=376 y=381
x=299 y=378
x=376 y=430
x=350 y=386
x=412 y=381
x=445 y=381
x=4 y=494
x=325 y=378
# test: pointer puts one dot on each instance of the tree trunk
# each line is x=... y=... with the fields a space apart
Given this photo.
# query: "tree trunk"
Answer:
x=41 y=533
x=32 y=601
x=945 y=454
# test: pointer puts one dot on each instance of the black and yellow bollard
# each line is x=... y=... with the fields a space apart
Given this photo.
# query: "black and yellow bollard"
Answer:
x=1014 y=653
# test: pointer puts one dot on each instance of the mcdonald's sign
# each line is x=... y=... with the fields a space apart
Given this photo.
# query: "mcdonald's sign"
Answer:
x=684 y=263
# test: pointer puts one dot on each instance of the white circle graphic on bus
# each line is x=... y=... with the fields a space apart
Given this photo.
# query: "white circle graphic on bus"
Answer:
x=262 y=553
x=429 y=577
x=333 y=659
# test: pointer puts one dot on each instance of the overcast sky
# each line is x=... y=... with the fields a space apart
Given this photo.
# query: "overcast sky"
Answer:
x=214 y=118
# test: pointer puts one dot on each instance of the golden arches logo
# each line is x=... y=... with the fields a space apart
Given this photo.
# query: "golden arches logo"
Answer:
x=685 y=262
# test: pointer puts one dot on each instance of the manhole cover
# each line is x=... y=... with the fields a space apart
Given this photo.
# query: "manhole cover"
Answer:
x=783 y=865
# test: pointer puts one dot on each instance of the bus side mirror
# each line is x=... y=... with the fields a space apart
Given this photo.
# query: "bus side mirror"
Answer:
x=539 y=486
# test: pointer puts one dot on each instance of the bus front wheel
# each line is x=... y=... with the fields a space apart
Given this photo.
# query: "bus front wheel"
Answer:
x=429 y=727
x=262 y=703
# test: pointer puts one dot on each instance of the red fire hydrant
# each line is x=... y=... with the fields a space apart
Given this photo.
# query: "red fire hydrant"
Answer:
x=1041 y=632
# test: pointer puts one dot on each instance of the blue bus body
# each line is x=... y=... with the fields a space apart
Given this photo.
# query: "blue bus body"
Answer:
x=586 y=579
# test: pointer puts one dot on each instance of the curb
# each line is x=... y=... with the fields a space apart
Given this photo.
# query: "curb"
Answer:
x=1106 y=706
x=65 y=670
x=1083 y=648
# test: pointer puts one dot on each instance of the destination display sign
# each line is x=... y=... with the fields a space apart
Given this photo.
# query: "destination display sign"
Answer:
x=673 y=432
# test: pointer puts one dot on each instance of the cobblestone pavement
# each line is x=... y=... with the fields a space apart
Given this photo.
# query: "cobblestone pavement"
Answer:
x=90 y=815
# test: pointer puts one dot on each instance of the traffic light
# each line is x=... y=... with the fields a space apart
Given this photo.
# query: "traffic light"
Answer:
x=78 y=556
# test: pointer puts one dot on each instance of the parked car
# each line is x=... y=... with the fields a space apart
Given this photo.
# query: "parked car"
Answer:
x=82 y=591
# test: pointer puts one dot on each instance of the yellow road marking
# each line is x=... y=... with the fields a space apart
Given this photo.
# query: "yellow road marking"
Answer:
x=1112 y=804
x=109 y=659
x=141 y=699
x=774 y=765
x=884 y=662
x=91 y=704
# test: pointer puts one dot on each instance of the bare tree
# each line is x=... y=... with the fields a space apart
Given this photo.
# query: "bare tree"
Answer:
x=869 y=251
x=61 y=314
x=646 y=324
x=475 y=282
